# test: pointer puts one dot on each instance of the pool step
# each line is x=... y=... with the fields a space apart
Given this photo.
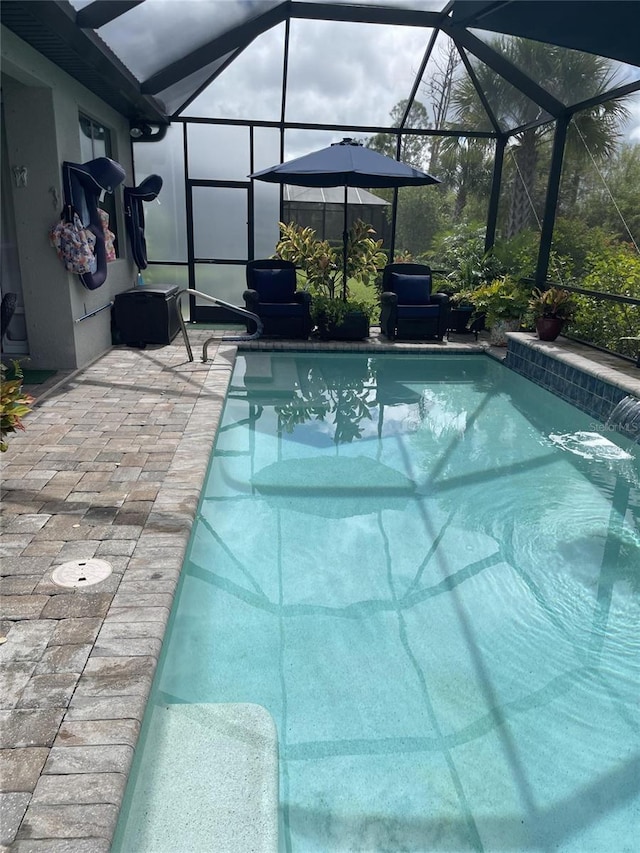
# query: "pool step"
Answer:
x=214 y=783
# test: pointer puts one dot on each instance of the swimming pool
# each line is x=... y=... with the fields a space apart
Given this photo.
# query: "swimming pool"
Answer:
x=427 y=570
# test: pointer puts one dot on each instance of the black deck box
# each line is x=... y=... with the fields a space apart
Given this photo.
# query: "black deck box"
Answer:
x=147 y=314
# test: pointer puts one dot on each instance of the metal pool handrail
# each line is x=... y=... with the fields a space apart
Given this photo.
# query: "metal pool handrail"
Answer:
x=235 y=308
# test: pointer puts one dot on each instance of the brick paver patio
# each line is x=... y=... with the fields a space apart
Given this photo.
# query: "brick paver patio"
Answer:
x=110 y=466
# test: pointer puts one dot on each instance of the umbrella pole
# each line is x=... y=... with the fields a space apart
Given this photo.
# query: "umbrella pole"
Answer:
x=345 y=240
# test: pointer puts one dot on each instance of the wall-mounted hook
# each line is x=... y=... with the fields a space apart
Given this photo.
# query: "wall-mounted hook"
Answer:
x=20 y=175
x=55 y=198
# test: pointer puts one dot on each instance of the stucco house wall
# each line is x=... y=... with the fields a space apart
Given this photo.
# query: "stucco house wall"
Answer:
x=41 y=104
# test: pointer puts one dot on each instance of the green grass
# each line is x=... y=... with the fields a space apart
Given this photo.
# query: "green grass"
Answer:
x=365 y=293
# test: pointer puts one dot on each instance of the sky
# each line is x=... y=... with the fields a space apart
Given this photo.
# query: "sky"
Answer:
x=354 y=87
x=340 y=73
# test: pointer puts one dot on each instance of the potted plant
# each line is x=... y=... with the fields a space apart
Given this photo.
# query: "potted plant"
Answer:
x=551 y=309
x=502 y=302
x=335 y=318
x=14 y=404
x=470 y=266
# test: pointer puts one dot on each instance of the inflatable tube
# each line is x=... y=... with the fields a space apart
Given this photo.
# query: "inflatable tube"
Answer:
x=83 y=184
x=134 y=215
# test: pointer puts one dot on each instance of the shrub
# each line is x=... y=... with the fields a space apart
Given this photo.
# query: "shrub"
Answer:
x=502 y=299
x=462 y=253
x=322 y=263
x=614 y=270
x=14 y=404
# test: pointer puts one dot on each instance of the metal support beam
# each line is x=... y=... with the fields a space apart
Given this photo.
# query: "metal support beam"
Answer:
x=496 y=182
x=476 y=83
x=341 y=128
x=102 y=12
x=239 y=37
x=418 y=77
x=365 y=14
x=222 y=67
x=394 y=208
x=603 y=97
x=551 y=203
x=506 y=69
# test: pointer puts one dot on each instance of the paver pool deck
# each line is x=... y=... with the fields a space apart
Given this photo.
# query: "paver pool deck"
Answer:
x=111 y=466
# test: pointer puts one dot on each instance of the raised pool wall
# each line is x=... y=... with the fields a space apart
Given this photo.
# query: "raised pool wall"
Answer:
x=591 y=387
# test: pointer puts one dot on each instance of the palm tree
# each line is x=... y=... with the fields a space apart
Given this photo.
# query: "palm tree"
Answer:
x=466 y=165
x=563 y=73
x=594 y=133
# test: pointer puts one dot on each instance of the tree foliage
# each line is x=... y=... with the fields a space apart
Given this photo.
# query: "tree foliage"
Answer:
x=422 y=213
x=412 y=146
x=610 y=195
x=563 y=73
x=597 y=227
x=614 y=270
x=461 y=252
x=466 y=167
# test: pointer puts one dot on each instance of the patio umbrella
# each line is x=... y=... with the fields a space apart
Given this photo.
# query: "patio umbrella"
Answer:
x=347 y=163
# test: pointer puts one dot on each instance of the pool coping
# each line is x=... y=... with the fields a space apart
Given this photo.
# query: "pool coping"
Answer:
x=80 y=665
x=606 y=367
x=596 y=388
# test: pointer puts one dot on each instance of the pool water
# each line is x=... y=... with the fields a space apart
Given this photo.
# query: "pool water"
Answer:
x=427 y=570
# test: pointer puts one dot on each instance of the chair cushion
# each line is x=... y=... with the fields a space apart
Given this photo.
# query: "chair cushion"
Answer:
x=282 y=309
x=418 y=312
x=411 y=289
x=274 y=285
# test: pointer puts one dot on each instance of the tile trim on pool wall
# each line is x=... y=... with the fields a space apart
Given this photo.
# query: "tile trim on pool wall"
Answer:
x=591 y=388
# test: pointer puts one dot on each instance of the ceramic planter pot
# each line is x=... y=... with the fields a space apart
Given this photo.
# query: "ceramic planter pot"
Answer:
x=548 y=328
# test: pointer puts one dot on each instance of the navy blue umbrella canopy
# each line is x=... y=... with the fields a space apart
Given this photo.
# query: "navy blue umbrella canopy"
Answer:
x=347 y=163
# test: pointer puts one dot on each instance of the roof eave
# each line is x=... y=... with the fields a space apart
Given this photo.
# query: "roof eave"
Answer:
x=51 y=29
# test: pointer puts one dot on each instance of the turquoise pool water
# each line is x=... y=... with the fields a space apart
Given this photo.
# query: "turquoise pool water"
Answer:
x=428 y=571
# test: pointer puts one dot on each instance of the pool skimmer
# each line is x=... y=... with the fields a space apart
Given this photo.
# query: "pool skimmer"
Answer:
x=80 y=573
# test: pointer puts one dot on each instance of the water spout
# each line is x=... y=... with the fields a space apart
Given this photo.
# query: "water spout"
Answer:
x=625 y=417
